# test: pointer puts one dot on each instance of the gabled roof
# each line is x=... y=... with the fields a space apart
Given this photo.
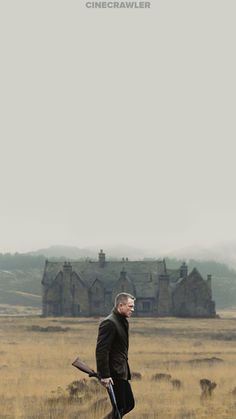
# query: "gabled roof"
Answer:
x=94 y=282
x=143 y=274
x=195 y=275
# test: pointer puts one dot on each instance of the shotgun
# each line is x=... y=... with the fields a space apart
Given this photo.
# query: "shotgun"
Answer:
x=91 y=373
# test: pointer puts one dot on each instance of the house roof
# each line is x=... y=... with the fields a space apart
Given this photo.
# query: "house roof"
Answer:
x=143 y=274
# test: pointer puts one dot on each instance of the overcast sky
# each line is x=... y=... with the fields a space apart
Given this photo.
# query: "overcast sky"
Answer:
x=117 y=126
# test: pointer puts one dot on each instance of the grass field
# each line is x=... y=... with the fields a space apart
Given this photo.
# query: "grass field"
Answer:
x=36 y=371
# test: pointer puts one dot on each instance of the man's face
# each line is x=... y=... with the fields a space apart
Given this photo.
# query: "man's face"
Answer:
x=126 y=309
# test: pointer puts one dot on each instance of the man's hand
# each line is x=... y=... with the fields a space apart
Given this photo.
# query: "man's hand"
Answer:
x=106 y=381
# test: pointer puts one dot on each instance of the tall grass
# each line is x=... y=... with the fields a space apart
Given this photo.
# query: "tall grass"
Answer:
x=36 y=356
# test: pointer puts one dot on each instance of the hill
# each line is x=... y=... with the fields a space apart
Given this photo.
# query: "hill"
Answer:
x=75 y=253
x=222 y=253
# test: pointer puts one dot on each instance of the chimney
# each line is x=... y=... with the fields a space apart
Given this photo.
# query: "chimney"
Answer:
x=66 y=295
x=123 y=274
x=101 y=259
x=209 y=277
x=67 y=268
x=183 y=270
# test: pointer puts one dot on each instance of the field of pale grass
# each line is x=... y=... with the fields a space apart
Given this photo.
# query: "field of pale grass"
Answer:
x=36 y=372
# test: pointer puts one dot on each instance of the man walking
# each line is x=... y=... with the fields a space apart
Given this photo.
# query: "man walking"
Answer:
x=112 y=353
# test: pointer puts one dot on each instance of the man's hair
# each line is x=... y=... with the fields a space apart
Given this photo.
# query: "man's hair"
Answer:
x=123 y=298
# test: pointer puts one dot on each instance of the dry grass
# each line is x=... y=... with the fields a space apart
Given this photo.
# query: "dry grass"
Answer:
x=36 y=356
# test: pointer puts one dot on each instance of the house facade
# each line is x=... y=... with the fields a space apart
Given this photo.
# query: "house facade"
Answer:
x=88 y=288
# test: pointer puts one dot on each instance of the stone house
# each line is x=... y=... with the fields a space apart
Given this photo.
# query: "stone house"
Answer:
x=88 y=288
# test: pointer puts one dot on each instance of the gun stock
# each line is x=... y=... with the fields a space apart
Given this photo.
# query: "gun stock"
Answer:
x=84 y=368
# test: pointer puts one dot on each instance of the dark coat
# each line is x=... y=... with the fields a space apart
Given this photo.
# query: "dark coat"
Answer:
x=112 y=347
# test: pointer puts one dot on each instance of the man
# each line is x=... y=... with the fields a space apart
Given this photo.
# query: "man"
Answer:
x=112 y=353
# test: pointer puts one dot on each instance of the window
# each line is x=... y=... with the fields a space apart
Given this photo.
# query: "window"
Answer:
x=146 y=306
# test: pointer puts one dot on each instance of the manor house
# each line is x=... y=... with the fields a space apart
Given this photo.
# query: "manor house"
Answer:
x=88 y=288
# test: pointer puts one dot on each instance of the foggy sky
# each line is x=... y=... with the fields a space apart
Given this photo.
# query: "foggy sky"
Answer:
x=117 y=126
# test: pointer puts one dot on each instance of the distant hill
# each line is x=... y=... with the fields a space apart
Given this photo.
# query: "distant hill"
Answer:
x=68 y=252
x=21 y=274
x=76 y=253
x=21 y=287
x=223 y=253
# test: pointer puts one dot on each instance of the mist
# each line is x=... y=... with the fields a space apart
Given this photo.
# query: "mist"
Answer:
x=117 y=126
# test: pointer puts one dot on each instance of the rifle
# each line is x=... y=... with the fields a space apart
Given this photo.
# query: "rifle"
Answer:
x=91 y=373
